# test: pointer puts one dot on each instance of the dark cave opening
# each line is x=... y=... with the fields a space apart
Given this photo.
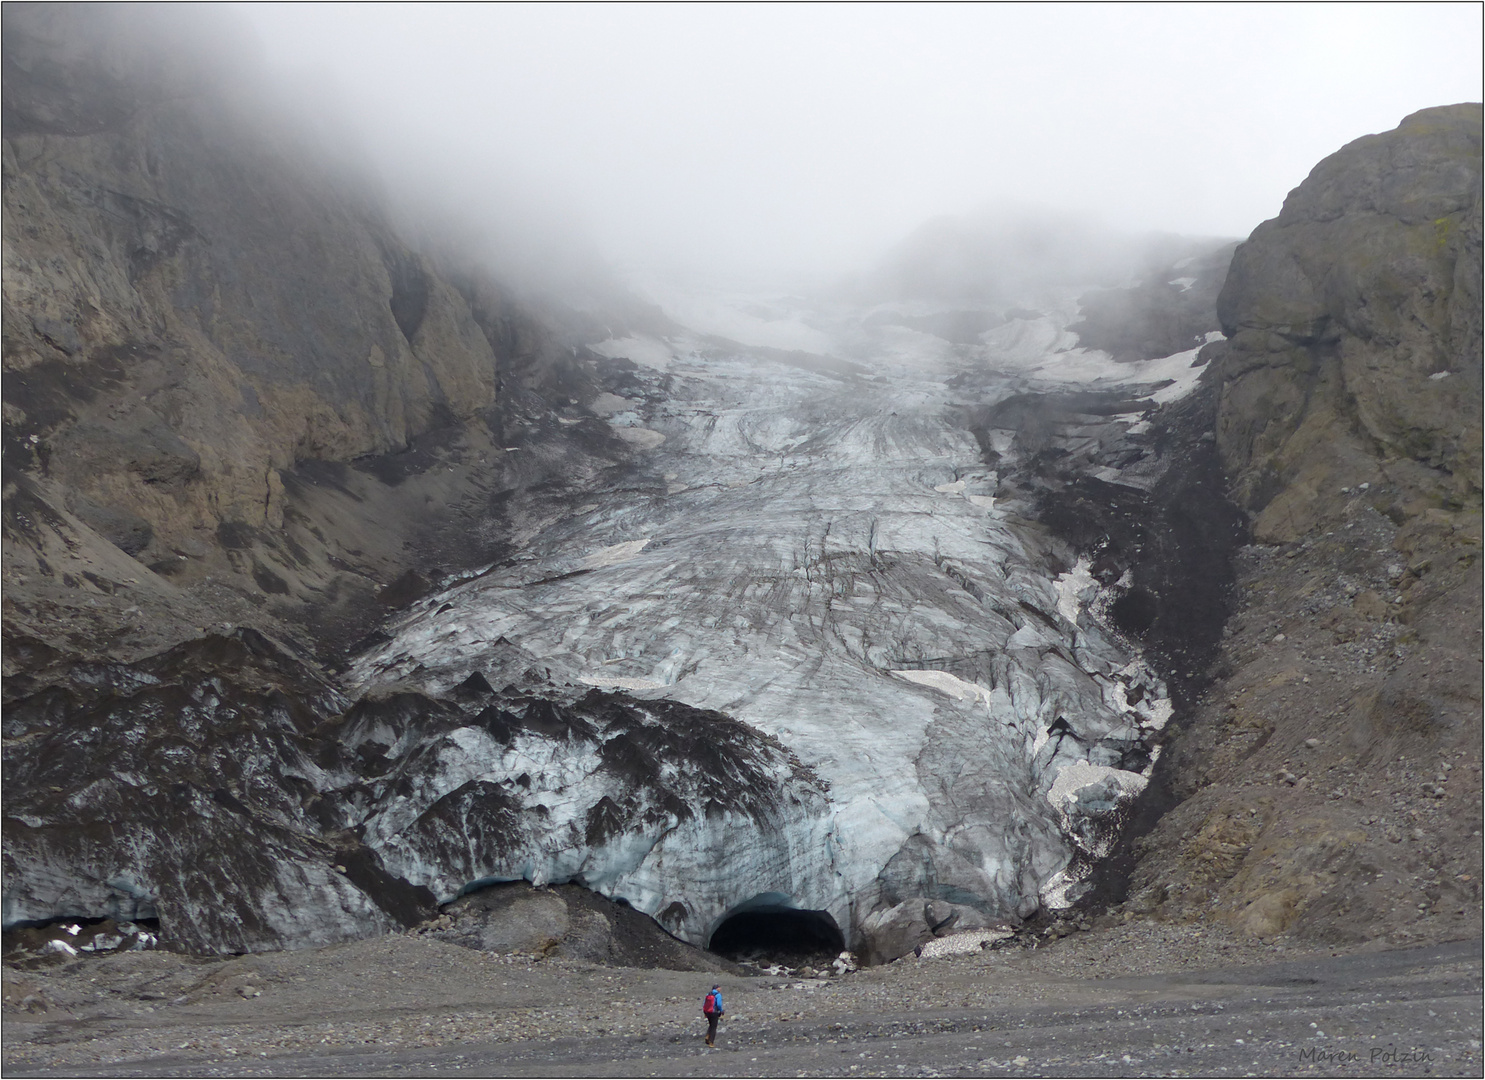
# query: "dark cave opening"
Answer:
x=778 y=932
x=24 y=942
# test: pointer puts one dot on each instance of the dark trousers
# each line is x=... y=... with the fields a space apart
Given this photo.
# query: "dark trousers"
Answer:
x=711 y=1026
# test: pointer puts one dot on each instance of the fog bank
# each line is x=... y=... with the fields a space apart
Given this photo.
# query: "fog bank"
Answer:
x=811 y=138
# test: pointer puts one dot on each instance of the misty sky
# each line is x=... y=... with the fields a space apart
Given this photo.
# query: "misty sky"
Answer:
x=812 y=137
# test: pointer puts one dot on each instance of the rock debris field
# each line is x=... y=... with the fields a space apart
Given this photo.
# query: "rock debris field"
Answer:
x=1139 y=999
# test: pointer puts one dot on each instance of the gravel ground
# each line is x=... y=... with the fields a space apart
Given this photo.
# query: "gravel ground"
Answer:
x=1176 y=1000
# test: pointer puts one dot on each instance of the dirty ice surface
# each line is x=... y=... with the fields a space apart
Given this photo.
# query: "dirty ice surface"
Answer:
x=821 y=555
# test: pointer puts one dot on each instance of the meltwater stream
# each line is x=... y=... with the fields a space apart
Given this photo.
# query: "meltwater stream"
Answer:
x=826 y=562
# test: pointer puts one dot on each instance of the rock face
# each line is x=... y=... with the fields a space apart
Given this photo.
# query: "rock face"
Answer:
x=1330 y=781
x=205 y=320
x=177 y=248
x=1354 y=338
x=1169 y=311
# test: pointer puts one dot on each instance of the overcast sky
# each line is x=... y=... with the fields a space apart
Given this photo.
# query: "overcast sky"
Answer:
x=814 y=136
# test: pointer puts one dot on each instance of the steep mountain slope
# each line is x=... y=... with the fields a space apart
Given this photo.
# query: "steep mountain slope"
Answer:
x=1353 y=321
x=201 y=310
x=1332 y=778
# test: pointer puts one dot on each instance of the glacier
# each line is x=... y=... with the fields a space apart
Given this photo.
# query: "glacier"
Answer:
x=816 y=545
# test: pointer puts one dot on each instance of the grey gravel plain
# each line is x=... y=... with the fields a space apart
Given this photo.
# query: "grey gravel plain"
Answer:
x=1139 y=999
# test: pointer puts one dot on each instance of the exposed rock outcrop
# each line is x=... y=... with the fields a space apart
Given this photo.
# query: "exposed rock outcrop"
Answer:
x=222 y=361
x=1354 y=337
x=1171 y=310
x=1331 y=780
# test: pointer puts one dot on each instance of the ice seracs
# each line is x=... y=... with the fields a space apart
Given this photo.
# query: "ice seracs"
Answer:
x=829 y=567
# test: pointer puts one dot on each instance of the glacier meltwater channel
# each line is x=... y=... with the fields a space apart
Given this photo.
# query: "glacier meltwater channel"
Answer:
x=825 y=561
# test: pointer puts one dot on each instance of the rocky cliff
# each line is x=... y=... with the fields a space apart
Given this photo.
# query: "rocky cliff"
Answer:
x=1353 y=325
x=1331 y=778
x=221 y=360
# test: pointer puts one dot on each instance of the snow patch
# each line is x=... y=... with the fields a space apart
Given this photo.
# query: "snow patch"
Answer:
x=1094 y=369
x=641 y=437
x=1073 y=778
x=614 y=554
x=968 y=941
x=945 y=683
x=621 y=683
x=1074 y=588
x=1158 y=714
x=606 y=404
x=1054 y=891
x=984 y=502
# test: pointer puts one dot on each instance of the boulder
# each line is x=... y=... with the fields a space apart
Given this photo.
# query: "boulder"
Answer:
x=893 y=932
x=565 y=921
x=508 y=919
x=896 y=931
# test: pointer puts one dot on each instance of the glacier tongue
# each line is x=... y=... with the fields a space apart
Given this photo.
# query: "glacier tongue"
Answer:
x=654 y=802
x=825 y=561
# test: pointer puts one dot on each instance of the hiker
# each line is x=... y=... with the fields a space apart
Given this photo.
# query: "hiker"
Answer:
x=711 y=1008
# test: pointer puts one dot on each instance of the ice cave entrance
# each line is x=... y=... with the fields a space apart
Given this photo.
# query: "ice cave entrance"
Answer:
x=767 y=926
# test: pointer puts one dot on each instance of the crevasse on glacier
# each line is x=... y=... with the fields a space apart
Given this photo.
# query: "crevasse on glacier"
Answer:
x=822 y=557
